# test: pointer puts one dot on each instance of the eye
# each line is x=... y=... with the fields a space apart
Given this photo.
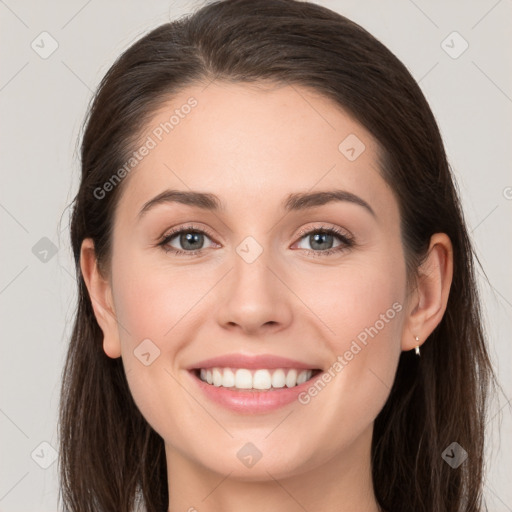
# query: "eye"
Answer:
x=190 y=238
x=322 y=241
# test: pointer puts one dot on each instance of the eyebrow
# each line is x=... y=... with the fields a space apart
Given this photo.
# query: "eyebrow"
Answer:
x=294 y=202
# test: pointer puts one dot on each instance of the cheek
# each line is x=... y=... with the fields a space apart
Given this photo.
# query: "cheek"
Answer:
x=150 y=300
x=363 y=309
x=158 y=309
x=154 y=308
x=357 y=301
x=370 y=303
x=370 y=322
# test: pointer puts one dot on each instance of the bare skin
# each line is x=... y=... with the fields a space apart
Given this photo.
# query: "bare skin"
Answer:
x=252 y=146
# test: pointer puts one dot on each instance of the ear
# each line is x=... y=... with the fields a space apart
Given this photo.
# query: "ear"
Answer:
x=428 y=300
x=100 y=293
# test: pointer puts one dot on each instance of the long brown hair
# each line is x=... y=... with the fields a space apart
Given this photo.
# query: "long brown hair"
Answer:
x=109 y=455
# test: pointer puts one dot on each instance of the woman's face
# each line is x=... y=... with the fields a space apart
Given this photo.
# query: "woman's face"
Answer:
x=258 y=278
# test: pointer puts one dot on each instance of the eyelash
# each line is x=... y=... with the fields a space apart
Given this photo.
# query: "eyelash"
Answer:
x=347 y=241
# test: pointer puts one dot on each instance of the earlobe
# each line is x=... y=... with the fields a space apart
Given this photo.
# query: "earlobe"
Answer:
x=430 y=297
x=100 y=294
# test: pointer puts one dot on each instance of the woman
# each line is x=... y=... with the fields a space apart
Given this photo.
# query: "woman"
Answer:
x=277 y=301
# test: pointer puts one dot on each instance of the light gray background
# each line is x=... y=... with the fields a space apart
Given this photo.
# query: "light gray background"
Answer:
x=43 y=103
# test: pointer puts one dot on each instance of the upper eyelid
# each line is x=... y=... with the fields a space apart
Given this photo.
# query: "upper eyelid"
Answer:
x=336 y=229
x=171 y=233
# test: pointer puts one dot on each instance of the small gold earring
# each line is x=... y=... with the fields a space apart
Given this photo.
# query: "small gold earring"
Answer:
x=417 y=348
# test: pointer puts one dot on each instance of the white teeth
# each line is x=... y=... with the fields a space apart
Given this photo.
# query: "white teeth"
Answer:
x=228 y=379
x=217 y=377
x=291 y=378
x=278 y=379
x=303 y=377
x=262 y=380
x=242 y=378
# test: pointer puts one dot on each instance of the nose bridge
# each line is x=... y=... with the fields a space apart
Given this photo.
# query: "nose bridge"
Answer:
x=255 y=296
x=252 y=276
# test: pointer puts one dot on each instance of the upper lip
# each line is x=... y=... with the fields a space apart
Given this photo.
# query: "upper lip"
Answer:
x=262 y=361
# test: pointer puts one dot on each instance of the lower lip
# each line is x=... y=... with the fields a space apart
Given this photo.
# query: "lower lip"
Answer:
x=245 y=401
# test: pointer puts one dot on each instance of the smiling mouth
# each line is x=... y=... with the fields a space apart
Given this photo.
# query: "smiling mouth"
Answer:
x=243 y=379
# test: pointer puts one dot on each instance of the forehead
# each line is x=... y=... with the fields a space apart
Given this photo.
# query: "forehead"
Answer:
x=259 y=141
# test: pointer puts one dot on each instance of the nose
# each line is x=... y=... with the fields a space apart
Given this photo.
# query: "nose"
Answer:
x=255 y=298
